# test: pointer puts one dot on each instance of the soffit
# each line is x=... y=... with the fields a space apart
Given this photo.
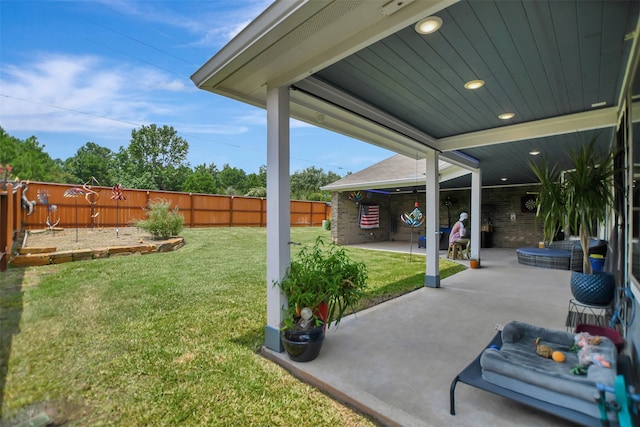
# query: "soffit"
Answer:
x=546 y=61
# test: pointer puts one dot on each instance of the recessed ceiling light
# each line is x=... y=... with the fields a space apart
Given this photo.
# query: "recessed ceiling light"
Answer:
x=506 y=116
x=504 y=178
x=534 y=152
x=598 y=104
x=474 y=84
x=429 y=25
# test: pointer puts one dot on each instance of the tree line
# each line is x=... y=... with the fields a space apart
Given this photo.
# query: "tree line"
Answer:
x=155 y=159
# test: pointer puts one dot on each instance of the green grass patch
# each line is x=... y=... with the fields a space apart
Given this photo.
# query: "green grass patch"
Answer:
x=166 y=339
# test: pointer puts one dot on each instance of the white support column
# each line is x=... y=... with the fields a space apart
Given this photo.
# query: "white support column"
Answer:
x=278 y=210
x=432 y=211
x=476 y=204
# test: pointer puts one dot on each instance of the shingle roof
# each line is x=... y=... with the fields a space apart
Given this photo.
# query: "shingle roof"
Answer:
x=395 y=172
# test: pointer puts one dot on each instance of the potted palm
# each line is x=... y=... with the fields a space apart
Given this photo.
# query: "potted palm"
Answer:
x=579 y=198
x=321 y=283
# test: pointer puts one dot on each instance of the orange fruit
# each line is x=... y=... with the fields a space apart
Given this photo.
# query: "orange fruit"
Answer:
x=558 y=356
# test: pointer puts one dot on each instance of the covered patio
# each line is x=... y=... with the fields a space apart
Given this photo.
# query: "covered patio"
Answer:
x=396 y=360
x=494 y=85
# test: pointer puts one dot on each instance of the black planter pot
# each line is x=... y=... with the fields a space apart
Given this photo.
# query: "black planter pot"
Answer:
x=303 y=346
x=593 y=289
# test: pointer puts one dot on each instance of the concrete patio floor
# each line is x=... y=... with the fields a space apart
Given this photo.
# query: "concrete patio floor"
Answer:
x=396 y=361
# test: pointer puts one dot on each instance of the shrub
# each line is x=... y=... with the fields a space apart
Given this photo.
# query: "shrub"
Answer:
x=162 y=221
x=257 y=192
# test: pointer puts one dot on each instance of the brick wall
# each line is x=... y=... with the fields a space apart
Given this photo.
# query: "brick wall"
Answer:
x=501 y=207
x=344 y=219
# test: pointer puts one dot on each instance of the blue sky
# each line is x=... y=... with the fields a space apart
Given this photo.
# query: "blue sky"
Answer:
x=78 y=71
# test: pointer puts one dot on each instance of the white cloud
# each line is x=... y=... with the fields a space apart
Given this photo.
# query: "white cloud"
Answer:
x=212 y=23
x=174 y=86
x=67 y=93
x=210 y=129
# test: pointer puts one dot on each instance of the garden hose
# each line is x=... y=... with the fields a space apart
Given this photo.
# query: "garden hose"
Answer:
x=625 y=308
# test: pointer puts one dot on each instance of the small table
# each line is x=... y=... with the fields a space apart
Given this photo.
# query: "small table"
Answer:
x=578 y=313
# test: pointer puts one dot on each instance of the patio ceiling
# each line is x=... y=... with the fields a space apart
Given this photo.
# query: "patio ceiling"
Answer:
x=359 y=68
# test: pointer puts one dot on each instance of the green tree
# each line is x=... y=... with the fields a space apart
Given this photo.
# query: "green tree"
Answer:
x=126 y=172
x=203 y=179
x=158 y=153
x=29 y=160
x=257 y=180
x=232 y=180
x=91 y=160
x=309 y=181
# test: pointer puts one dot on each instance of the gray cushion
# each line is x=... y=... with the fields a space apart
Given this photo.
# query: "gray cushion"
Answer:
x=518 y=359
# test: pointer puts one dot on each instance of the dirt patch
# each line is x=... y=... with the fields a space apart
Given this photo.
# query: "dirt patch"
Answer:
x=86 y=238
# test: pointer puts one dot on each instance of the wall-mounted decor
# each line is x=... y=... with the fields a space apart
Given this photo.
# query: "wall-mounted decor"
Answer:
x=528 y=203
x=369 y=216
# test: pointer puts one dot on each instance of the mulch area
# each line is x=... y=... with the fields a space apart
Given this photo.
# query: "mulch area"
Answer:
x=86 y=238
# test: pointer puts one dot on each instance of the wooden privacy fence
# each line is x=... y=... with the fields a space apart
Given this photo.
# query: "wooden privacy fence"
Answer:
x=67 y=206
x=9 y=220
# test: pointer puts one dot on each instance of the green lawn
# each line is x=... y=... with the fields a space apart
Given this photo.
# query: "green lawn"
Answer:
x=166 y=339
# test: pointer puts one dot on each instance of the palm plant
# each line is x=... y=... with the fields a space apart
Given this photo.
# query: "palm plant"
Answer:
x=579 y=197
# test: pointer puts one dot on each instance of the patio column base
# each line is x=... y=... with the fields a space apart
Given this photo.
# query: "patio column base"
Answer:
x=432 y=281
x=272 y=339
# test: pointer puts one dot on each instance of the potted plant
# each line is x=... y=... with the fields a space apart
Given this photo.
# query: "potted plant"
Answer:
x=580 y=198
x=321 y=283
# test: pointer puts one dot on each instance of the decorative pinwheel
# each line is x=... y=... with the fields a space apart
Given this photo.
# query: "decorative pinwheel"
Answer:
x=117 y=195
x=92 y=197
x=355 y=197
x=75 y=192
x=43 y=198
x=116 y=192
x=414 y=219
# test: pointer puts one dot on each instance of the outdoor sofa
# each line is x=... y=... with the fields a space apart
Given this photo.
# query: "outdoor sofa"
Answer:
x=561 y=254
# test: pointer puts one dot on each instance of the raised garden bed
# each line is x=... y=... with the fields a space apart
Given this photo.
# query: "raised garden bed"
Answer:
x=59 y=246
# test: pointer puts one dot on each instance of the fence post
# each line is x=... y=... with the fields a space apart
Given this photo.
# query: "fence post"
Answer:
x=6 y=235
x=191 y=209
x=10 y=217
x=17 y=212
x=3 y=230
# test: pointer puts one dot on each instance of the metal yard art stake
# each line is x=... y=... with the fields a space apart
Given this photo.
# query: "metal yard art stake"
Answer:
x=43 y=197
x=117 y=195
x=75 y=192
x=91 y=197
x=414 y=220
